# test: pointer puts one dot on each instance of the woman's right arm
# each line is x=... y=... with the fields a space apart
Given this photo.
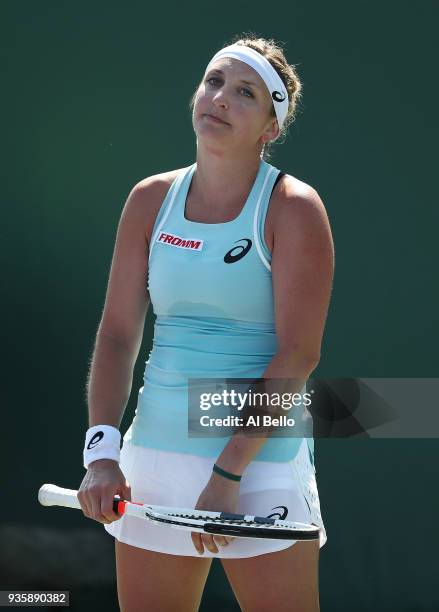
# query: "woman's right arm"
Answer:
x=117 y=345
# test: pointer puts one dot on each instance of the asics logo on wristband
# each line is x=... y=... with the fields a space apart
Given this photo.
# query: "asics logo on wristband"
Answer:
x=95 y=440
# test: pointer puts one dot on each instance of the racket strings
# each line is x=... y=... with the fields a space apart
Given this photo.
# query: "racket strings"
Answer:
x=223 y=520
x=179 y=522
x=218 y=519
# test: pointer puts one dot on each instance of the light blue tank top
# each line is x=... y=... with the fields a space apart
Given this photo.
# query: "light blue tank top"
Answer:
x=211 y=291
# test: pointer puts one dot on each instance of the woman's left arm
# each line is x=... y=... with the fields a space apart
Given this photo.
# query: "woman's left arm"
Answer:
x=302 y=270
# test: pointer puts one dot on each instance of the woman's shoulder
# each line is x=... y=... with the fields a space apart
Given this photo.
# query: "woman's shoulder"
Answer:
x=149 y=194
x=293 y=197
x=290 y=189
x=157 y=182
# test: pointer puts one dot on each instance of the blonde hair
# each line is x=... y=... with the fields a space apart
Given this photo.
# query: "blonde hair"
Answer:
x=274 y=53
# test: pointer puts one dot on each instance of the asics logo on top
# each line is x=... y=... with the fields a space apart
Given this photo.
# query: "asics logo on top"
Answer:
x=181 y=243
x=282 y=516
x=229 y=258
x=95 y=439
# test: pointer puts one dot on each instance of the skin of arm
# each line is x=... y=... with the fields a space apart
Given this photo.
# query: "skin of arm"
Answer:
x=120 y=332
x=110 y=381
x=302 y=274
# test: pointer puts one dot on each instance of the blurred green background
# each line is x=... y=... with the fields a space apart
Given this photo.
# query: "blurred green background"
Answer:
x=95 y=97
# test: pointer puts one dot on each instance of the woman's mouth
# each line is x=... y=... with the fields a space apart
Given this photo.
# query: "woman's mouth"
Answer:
x=216 y=120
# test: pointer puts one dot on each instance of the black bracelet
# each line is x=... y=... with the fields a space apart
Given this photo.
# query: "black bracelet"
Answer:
x=228 y=475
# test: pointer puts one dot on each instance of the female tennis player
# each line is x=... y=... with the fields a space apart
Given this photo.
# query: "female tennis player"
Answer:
x=237 y=260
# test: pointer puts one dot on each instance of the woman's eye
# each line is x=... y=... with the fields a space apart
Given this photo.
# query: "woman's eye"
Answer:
x=248 y=92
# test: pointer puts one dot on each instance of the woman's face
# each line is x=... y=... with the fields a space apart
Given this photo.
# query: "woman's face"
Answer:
x=234 y=92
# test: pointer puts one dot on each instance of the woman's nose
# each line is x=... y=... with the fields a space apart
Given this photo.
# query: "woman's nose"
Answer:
x=220 y=97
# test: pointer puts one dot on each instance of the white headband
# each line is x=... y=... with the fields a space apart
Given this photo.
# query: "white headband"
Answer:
x=268 y=74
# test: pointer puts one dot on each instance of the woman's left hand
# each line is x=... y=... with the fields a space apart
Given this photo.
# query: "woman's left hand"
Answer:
x=219 y=495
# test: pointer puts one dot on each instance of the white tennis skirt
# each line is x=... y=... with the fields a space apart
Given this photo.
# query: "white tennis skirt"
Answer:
x=285 y=490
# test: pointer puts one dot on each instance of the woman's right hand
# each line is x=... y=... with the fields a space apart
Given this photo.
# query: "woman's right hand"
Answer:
x=104 y=479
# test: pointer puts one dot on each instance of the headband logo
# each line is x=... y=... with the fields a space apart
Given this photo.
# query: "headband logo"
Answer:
x=278 y=96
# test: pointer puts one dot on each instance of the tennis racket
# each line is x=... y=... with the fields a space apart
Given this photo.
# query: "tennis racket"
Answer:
x=201 y=521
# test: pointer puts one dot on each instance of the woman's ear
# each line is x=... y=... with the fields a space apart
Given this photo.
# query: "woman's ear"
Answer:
x=271 y=131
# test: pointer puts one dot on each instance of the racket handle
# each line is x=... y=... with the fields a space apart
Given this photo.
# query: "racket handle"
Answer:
x=52 y=495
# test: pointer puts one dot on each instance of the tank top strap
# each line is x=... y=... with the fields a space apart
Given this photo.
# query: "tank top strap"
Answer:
x=183 y=177
x=260 y=212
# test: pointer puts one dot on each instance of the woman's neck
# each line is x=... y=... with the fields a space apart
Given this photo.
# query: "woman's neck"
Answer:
x=222 y=182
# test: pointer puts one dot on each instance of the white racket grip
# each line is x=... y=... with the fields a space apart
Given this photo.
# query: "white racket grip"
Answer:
x=51 y=495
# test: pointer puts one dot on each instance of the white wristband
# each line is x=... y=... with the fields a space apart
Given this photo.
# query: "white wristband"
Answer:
x=101 y=442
